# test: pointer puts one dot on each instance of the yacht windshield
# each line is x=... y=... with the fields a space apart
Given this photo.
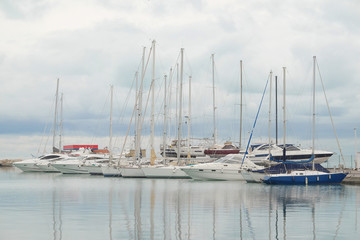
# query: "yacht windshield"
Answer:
x=230 y=158
x=289 y=147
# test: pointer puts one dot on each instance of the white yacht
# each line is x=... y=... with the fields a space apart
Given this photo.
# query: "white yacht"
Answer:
x=32 y=165
x=194 y=151
x=47 y=165
x=77 y=166
x=226 y=168
x=259 y=154
x=164 y=171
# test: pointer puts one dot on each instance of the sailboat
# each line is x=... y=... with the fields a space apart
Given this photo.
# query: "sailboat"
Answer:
x=108 y=169
x=218 y=151
x=308 y=174
x=32 y=165
x=171 y=171
x=134 y=170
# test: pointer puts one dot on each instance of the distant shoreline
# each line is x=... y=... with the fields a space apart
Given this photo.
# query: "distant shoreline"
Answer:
x=8 y=162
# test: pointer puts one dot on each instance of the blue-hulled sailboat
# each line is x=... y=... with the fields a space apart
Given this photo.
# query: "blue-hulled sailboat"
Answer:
x=303 y=173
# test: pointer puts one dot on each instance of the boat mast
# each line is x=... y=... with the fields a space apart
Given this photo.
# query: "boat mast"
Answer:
x=55 y=116
x=61 y=122
x=110 y=131
x=138 y=153
x=153 y=156
x=177 y=99
x=214 y=107
x=189 y=121
x=241 y=98
x=137 y=113
x=165 y=118
x=270 y=91
x=284 y=111
x=169 y=101
x=276 y=110
x=356 y=154
x=313 y=132
x=180 y=106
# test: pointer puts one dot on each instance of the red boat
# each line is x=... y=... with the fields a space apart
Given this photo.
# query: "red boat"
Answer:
x=218 y=152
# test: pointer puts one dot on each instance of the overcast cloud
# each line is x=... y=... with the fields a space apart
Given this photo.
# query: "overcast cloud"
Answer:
x=92 y=44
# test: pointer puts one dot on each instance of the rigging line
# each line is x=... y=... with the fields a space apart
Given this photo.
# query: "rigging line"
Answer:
x=122 y=112
x=147 y=102
x=134 y=108
x=98 y=120
x=188 y=62
x=257 y=114
x=127 y=133
x=43 y=136
x=138 y=95
x=332 y=121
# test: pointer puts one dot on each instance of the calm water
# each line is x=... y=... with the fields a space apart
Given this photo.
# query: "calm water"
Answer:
x=54 y=206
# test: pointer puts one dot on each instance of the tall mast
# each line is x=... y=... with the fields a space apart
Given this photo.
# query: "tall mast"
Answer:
x=110 y=131
x=136 y=114
x=356 y=154
x=180 y=106
x=61 y=122
x=276 y=110
x=165 y=117
x=177 y=99
x=214 y=107
x=270 y=92
x=55 y=115
x=189 y=120
x=137 y=143
x=153 y=156
x=284 y=111
x=169 y=101
x=313 y=133
x=241 y=98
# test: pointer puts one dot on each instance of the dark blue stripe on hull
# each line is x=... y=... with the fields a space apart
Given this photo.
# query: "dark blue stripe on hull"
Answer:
x=110 y=175
x=334 y=178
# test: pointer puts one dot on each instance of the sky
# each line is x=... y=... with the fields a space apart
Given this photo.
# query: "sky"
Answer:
x=90 y=45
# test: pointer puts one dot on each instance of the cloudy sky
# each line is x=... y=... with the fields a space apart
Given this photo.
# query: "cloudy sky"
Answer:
x=90 y=45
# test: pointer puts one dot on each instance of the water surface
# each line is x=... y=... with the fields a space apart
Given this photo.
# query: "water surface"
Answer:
x=55 y=206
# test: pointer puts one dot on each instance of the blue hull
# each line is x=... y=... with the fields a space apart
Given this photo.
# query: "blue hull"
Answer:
x=330 y=178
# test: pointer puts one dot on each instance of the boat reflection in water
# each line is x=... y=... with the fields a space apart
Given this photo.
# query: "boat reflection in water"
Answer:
x=181 y=209
x=57 y=206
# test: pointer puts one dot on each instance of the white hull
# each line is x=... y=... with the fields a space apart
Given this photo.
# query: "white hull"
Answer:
x=111 y=171
x=252 y=177
x=94 y=169
x=227 y=169
x=132 y=172
x=164 y=172
x=27 y=166
x=47 y=167
x=215 y=174
x=70 y=168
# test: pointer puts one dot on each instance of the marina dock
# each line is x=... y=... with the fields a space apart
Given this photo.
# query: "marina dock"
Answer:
x=353 y=177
